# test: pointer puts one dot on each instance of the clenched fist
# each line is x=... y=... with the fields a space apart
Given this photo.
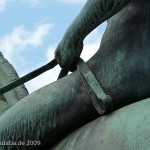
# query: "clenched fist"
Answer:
x=67 y=54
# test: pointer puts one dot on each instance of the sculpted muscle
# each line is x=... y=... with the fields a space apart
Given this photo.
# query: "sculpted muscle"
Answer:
x=93 y=14
x=120 y=69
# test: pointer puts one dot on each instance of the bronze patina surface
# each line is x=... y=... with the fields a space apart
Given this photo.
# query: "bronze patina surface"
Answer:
x=121 y=66
x=125 y=129
x=7 y=75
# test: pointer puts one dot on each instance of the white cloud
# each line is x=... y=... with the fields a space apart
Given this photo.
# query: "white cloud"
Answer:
x=42 y=80
x=20 y=38
x=91 y=44
x=50 y=52
x=2 y=5
x=33 y=3
x=73 y=1
x=47 y=77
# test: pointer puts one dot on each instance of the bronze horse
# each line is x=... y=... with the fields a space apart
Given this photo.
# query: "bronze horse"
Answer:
x=121 y=67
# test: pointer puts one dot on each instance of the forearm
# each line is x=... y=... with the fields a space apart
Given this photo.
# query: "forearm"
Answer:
x=92 y=14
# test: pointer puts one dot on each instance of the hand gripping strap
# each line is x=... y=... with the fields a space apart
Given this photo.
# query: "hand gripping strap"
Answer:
x=101 y=101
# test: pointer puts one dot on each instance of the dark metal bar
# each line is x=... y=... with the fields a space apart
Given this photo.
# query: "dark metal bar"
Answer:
x=28 y=77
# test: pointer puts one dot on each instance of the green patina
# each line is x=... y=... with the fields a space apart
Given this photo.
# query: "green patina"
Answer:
x=121 y=66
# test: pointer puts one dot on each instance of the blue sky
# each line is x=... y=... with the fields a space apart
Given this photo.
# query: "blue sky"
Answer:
x=31 y=30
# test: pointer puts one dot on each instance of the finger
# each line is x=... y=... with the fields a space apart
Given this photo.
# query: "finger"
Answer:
x=63 y=73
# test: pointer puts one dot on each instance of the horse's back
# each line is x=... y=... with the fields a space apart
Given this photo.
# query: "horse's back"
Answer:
x=125 y=129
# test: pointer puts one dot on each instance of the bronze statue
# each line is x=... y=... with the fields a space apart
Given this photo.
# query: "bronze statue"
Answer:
x=119 y=71
x=7 y=75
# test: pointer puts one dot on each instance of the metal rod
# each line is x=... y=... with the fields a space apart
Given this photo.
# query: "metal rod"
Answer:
x=28 y=77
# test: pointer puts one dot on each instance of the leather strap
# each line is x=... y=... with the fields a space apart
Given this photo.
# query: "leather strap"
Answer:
x=101 y=101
